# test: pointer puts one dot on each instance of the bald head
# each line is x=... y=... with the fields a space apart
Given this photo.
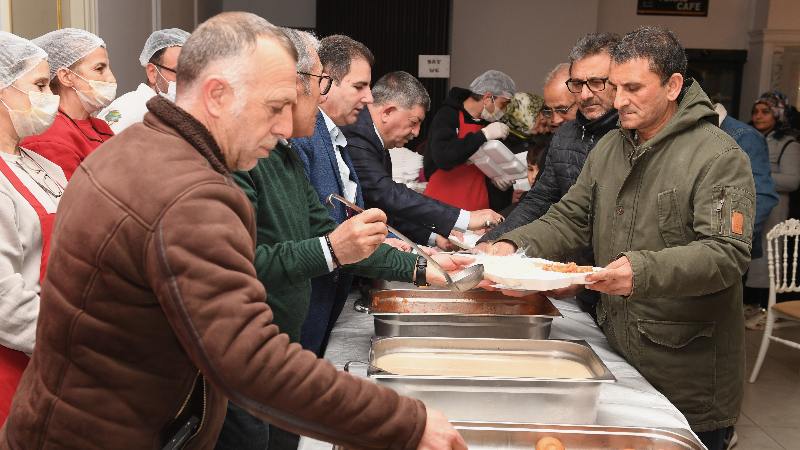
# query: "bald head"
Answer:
x=558 y=98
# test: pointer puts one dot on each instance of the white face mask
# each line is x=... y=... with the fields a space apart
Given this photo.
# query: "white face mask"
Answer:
x=101 y=95
x=492 y=117
x=172 y=88
x=38 y=118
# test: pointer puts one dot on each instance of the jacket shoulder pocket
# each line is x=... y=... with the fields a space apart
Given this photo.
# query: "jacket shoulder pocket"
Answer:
x=733 y=213
x=679 y=359
x=670 y=222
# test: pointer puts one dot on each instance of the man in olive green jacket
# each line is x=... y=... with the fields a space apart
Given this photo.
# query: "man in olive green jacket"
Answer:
x=667 y=202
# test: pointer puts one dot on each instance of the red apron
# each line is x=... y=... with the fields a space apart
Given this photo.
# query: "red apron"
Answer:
x=13 y=362
x=463 y=186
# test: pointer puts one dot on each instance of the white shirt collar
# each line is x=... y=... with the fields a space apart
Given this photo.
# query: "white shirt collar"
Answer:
x=337 y=138
x=379 y=135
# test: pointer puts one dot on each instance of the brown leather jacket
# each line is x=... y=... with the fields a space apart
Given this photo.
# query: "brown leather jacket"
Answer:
x=151 y=313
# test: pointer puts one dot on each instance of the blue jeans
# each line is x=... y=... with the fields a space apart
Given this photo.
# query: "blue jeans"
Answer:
x=242 y=431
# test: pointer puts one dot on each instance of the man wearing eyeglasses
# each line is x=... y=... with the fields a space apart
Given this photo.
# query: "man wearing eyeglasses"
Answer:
x=160 y=59
x=586 y=87
x=293 y=235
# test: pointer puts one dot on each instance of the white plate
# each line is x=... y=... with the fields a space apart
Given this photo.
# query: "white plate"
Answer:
x=512 y=271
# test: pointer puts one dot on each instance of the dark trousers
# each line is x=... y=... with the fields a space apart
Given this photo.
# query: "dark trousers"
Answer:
x=244 y=431
x=713 y=440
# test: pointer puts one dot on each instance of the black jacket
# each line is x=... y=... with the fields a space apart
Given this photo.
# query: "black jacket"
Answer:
x=445 y=150
x=412 y=213
x=568 y=150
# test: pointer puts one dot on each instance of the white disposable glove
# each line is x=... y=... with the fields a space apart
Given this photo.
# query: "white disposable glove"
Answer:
x=502 y=184
x=495 y=130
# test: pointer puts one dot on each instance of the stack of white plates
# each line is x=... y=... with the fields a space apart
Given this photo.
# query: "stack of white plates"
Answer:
x=405 y=165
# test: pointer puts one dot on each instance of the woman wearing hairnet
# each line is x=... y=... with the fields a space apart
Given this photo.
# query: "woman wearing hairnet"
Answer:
x=30 y=188
x=81 y=76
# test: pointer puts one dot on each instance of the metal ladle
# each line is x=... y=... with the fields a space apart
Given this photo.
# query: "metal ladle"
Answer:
x=461 y=282
x=347 y=365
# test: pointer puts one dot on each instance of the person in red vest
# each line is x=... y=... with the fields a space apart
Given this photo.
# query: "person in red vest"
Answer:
x=30 y=188
x=468 y=118
x=80 y=74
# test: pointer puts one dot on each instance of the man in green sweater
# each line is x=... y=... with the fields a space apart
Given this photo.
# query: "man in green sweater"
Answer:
x=291 y=247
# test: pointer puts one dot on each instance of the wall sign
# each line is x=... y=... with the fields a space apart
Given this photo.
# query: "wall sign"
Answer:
x=697 y=8
x=434 y=66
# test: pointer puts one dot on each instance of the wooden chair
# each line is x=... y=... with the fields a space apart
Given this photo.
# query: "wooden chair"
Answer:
x=782 y=278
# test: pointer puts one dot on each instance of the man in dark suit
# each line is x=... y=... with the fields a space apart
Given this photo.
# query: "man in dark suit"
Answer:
x=393 y=119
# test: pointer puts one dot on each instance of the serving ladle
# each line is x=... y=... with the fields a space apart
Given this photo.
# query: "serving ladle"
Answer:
x=461 y=282
x=347 y=365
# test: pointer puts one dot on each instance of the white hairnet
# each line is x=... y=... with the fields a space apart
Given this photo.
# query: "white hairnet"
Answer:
x=17 y=57
x=171 y=37
x=495 y=82
x=66 y=46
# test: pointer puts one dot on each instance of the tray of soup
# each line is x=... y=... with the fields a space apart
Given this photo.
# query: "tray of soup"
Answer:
x=476 y=314
x=498 y=380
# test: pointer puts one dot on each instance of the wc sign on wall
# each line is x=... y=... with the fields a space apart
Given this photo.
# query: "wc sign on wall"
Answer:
x=434 y=66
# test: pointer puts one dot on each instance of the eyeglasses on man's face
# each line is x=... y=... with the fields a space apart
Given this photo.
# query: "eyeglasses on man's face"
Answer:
x=325 y=82
x=594 y=85
x=548 y=112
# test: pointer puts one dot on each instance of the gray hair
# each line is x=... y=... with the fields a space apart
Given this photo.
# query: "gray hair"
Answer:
x=337 y=51
x=659 y=45
x=225 y=37
x=592 y=44
x=402 y=89
x=305 y=59
x=555 y=73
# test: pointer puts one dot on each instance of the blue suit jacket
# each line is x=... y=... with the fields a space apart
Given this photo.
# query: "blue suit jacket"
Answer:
x=328 y=292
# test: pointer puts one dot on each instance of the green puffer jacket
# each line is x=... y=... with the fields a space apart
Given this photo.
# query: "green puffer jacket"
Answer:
x=680 y=207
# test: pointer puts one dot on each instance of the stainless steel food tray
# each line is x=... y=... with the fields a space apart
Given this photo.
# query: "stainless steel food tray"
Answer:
x=495 y=399
x=491 y=436
x=472 y=314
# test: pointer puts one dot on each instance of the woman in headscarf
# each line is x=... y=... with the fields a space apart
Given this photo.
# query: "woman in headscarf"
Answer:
x=771 y=117
x=81 y=76
x=30 y=189
x=524 y=119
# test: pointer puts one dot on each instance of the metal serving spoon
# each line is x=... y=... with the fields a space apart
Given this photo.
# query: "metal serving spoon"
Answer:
x=347 y=365
x=461 y=282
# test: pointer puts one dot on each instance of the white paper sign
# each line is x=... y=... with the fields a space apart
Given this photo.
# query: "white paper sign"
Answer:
x=434 y=66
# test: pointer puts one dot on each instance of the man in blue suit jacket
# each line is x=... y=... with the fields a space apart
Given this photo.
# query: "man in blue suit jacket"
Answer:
x=395 y=117
x=330 y=170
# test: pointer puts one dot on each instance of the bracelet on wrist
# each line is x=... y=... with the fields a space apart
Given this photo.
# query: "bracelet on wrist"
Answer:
x=336 y=263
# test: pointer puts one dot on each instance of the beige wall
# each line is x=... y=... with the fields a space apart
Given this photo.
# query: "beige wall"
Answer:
x=125 y=25
x=285 y=13
x=525 y=39
x=724 y=28
x=33 y=18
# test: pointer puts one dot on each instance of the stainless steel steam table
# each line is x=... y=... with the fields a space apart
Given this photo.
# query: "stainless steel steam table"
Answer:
x=631 y=402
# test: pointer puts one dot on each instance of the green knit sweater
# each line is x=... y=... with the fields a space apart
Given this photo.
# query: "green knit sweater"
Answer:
x=290 y=219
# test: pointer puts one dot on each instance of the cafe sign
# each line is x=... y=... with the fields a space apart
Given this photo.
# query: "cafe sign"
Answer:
x=697 y=8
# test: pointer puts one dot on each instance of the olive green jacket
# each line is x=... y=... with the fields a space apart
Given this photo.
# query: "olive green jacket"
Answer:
x=680 y=207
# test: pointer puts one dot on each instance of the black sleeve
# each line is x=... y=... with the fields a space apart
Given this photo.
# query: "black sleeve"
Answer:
x=447 y=149
x=544 y=193
x=398 y=200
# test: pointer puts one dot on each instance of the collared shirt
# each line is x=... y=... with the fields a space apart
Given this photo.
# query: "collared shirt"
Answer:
x=339 y=142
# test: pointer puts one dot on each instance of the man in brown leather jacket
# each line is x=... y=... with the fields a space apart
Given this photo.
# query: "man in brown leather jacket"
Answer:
x=152 y=316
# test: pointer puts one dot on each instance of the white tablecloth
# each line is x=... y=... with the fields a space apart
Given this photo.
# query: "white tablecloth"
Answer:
x=630 y=402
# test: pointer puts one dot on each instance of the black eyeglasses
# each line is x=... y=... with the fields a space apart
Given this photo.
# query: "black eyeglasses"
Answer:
x=548 y=112
x=594 y=85
x=165 y=68
x=328 y=80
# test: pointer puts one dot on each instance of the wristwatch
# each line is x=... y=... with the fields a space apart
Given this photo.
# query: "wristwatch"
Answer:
x=422 y=266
